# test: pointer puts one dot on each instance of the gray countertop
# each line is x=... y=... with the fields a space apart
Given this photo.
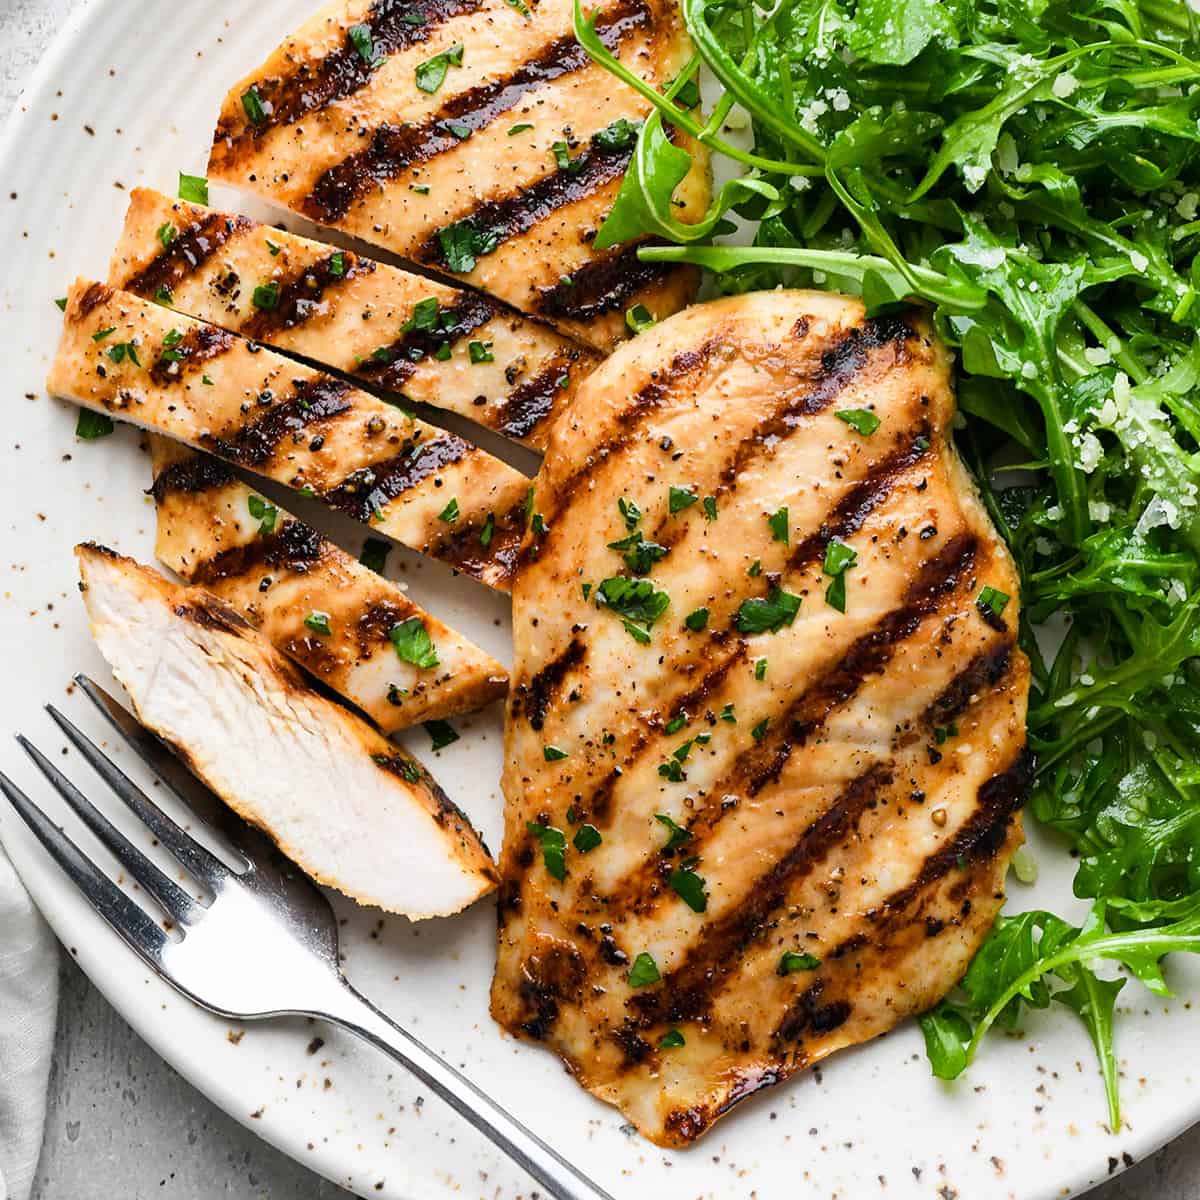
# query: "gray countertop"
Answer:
x=122 y=1123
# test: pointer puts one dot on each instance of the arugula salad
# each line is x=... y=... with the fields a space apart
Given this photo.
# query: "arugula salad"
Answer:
x=1030 y=171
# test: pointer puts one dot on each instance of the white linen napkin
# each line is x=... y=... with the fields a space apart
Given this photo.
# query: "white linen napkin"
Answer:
x=28 y=1006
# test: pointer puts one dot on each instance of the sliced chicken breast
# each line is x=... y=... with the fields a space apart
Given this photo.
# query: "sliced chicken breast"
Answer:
x=346 y=805
x=459 y=351
x=766 y=740
x=427 y=488
x=481 y=141
x=355 y=631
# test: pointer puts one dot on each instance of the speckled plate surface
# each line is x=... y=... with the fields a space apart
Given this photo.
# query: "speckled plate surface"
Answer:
x=127 y=96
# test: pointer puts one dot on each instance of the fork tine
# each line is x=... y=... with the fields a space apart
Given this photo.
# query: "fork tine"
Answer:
x=206 y=867
x=175 y=902
x=134 y=926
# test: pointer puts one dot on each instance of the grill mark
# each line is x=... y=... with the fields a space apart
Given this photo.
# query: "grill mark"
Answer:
x=313 y=86
x=375 y=625
x=601 y=286
x=190 y=249
x=460 y=547
x=390 y=366
x=376 y=486
x=294 y=547
x=394 y=149
x=95 y=295
x=531 y=402
x=985 y=670
x=810 y=1011
x=201 y=344
x=300 y=295
x=762 y=765
x=311 y=401
x=497 y=221
x=201 y=473
x=687 y=991
x=534 y=698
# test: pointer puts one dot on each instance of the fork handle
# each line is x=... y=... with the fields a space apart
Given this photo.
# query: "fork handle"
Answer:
x=560 y=1179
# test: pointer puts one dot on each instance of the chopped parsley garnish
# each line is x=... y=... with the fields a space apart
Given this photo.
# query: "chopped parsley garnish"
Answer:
x=689 y=887
x=861 y=420
x=792 y=961
x=463 y=242
x=760 y=668
x=61 y=301
x=993 y=600
x=123 y=350
x=639 y=554
x=671 y=1039
x=207 y=381
x=318 y=622
x=767 y=614
x=488 y=530
x=460 y=129
x=480 y=352
x=727 y=714
x=639 y=318
x=424 y=316
x=252 y=103
x=619 y=135
x=163 y=295
x=166 y=233
x=554 y=848
x=777 y=522
x=92 y=425
x=337 y=264
x=672 y=770
x=755 y=569
x=553 y=753
x=696 y=620
x=839 y=558
x=587 y=837
x=413 y=643
x=637 y=601
x=676 y=723
x=759 y=731
x=362 y=40
x=441 y=734
x=710 y=507
x=266 y=296
x=450 y=513
x=374 y=554
x=680 y=498
x=644 y=971
x=101 y=334
x=520 y=127
x=443 y=352
x=563 y=159
x=630 y=513
x=922 y=443
x=677 y=834
x=431 y=74
x=263 y=512
x=193 y=188
x=273 y=248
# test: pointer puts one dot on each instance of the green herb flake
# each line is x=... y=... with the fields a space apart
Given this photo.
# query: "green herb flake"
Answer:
x=759 y=731
x=413 y=644
x=166 y=234
x=273 y=248
x=193 y=188
x=862 y=420
x=710 y=507
x=318 y=622
x=431 y=74
x=266 y=296
x=689 y=887
x=337 y=264
x=520 y=127
x=92 y=425
x=638 y=319
x=553 y=753
x=265 y=513
x=680 y=498
x=630 y=513
x=677 y=835
x=777 y=522
x=644 y=971
x=586 y=839
x=363 y=42
x=554 y=848
x=101 y=334
x=727 y=714
x=792 y=961
x=488 y=531
x=992 y=600
x=480 y=352
x=441 y=734
x=760 y=668
x=671 y=1039
x=767 y=614
x=696 y=620
x=252 y=103
x=450 y=513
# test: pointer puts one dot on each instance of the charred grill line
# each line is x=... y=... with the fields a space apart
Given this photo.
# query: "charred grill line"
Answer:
x=300 y=294
x=461 y=547
x=534 y=698
x=188 y=251
x=531 y=402
x=255 y=443
x=200 y=473
x=497 y=221
x=373 y=488
x=391 y=365
x=395 y=149
x=294 y=546
x=201 y=344
x=395 y=25
x=600 y=286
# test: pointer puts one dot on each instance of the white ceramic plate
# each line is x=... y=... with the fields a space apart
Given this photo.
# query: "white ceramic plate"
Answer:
x=127 y=96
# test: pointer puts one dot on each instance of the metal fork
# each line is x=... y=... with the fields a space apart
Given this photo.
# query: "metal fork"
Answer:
x=266 y=945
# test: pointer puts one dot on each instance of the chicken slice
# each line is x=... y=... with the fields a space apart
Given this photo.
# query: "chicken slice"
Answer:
x=347 y=806
x=765 y=748
x=427 y=488
x=390 y=329
x=480 y=140
x=355 y=631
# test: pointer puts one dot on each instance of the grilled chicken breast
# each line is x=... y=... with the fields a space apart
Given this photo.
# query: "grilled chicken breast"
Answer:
x=390 y=329
x=762 y=795
x=201 y=385
x=472 y=136
x=346 y=805
x=355 y=631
